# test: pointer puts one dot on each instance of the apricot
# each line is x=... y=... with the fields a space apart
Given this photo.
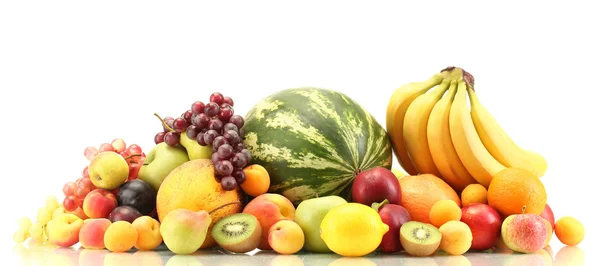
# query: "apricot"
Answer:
x=270 y=208
x=91 y=235
x=286 y=237
x=456 y=237
x=569 y=230
x=120 y=236
x=63 y=231
x=473 y=193
x=443 y=211
x=257 y=180
x=148 y=230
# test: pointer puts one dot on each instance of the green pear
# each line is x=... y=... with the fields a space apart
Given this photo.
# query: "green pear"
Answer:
x=309 y=215
x=184 y=231
x=160 y=161
x=195 y=150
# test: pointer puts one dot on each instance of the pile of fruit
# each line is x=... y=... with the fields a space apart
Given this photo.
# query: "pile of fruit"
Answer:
x=309 y=169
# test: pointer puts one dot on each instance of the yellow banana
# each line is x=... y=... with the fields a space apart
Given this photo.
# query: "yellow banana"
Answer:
x=470 y=149
x=396 y=110
x=441 y=147
x=499 y=144
x=415 y=129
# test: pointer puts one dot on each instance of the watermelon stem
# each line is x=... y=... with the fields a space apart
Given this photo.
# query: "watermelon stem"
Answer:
x=164 y=123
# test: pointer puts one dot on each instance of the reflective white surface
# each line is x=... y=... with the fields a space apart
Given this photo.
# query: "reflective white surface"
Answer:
x=32 y=254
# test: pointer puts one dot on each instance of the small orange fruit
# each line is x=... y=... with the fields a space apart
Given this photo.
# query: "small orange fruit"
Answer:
x=513 y=188
x=421 y=192
x=569 y=230
x=474 y=193
x=444 y=211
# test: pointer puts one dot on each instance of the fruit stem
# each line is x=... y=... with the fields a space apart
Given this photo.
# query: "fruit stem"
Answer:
x=377 y=205
x=132 y=155
x=457 y=73
x=224 y=205
x=524 y=207
x=164 y=123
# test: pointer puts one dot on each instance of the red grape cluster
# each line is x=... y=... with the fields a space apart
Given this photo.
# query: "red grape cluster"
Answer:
x=75 y=192
x=213 y=124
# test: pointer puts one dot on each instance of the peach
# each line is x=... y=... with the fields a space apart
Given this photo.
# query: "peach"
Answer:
x=148 y=230
x=286 y=237
x=120 y=236
x=257 y=180
x=99 y=203
x=456 y=237
x=270 y=208
x=91 y=235
x=63 y=231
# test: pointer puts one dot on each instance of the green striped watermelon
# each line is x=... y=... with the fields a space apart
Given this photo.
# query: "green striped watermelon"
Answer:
x=314 y=141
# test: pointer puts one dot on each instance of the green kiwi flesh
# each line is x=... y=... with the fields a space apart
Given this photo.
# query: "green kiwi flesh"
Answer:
x=239 y=233
x=420 y=239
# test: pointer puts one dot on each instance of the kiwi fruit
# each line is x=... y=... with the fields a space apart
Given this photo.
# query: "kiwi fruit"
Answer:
x=420 y=239
x=239 y=233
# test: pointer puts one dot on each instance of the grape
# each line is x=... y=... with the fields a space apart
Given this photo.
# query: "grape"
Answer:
x=241 y=133
x=224 y=167
x=159 y=137
x=232 y=137
x=225 y=151
x=85 y=172
x=238 y=147
x=169 y=123
x=239 y=175
x=90 y=152
x=85 y=182
x=239 y=160
x=225 y=113
x=172 y=138
x=220 y=140
x=197 y=107
x=210 y=136
x=179 y=124
x=230 y=126
x=70 y=203
x=187 y=116
x=215 y=124
x=192 y=132
x=134 y=149
x=69 y=188
x=200 y=139
x=211 y=109
x=228 y=183
x=25 y=223
x=119 y=145
x=248 y=155
x=200 y=120
x=228 y=100
x=82 y=191
x=37 y=232
x=237 y=120
x=215 y=158
x=106 y=147
x=225 y=105
x=217 y=98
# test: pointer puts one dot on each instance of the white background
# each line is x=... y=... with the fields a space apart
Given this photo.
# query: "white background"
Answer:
x=75 y=73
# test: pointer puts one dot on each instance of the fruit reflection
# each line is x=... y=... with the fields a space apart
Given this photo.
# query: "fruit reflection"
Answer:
x=569 y=255
x=353 y=261
x=452 y=260
x=286 y=260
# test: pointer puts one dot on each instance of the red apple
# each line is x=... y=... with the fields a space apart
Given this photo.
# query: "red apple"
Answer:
x=485 y=223
x=394 y=216
x=548 y=214
x=376 y=185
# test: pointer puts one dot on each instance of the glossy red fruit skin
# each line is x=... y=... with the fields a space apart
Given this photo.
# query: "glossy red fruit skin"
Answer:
x=394 y=216
x=376 y=185
x=485 y=224
x=548 y=214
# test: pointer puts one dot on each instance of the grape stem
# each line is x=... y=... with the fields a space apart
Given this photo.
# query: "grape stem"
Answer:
x=132 y=155
x=224 y=205
x=164 y=123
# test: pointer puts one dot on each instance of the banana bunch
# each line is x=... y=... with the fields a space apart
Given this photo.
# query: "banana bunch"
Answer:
x=438 y=126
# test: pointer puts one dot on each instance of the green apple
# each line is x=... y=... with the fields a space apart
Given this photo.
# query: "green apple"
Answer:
x=309 y=215
x=195 y=150
x=108 y=170
x=160 y=161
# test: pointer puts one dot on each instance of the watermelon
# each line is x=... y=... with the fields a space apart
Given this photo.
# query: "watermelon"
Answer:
x=314 y=141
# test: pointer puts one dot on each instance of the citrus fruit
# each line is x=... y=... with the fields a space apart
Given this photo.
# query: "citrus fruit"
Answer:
x=473 y=193
x=513 y=188
x=420 y=192
x=352 y=229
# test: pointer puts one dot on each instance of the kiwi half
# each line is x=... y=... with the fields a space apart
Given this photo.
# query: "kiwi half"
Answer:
x=239 y=233
x=420 y=239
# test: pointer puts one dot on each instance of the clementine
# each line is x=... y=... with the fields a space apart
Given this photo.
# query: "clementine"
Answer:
x=513 y=188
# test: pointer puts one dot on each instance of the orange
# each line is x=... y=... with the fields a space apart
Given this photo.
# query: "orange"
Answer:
x=193 y=186
x=421 y=192
x=513 y=188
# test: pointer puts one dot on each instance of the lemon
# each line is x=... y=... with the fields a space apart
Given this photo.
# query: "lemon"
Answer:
x=352 y=229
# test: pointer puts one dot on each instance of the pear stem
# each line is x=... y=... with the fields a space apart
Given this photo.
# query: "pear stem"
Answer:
x=224 y=205
x=377 y=205
x=132 y=155
x=524 y=207
x=164 y=123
